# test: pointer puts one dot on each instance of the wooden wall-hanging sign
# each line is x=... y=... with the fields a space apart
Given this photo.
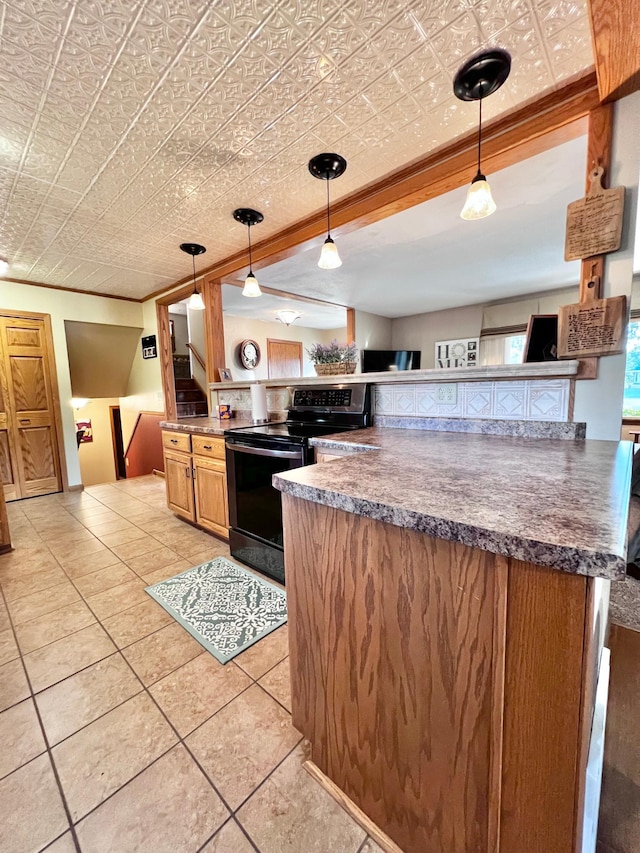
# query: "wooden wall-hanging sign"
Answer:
x=592 y=328
x=594 y=223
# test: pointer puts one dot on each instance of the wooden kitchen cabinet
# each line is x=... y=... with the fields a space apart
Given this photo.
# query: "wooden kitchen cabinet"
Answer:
x=196 y=479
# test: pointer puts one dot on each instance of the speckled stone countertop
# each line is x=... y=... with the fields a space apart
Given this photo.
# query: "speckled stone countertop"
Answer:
x=208 y=426
x=553 y=502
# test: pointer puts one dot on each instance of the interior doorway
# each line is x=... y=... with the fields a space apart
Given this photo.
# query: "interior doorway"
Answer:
x=284 y=358
x=118 y=444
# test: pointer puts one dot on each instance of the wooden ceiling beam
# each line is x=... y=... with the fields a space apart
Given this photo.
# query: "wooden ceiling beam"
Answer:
x=615 y=31
x=555 y=117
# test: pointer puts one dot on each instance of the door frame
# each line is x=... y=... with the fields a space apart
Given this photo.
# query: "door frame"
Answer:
x=283 y=341
x=115 y=446
x=52 y=376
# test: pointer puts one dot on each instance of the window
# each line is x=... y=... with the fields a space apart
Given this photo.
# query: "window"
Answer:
x=631 y=405
x=502 y=349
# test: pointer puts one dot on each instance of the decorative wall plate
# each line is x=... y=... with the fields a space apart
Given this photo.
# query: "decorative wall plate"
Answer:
x=249 y=354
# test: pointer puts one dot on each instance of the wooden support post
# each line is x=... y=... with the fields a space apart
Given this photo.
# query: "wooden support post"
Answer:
x=592 y=269
x=615 y=29
x=214 y=328
x=351 y=325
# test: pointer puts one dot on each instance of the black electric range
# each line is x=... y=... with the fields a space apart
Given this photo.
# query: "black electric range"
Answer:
x=254 y=454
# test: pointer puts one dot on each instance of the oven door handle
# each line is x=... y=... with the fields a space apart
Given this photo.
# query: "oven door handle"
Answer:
x=262 y=451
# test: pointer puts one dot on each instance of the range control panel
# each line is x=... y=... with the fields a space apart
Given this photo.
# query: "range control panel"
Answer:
x=326 y=398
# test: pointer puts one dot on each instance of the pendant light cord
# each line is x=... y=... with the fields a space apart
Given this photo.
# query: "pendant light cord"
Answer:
x=328 y=223
x=250 y=264
x=193 y=258
x=480 y=134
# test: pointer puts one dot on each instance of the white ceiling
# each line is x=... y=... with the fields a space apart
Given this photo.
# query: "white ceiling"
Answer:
x=312 y=315
x=130 y=126
x=427 y=258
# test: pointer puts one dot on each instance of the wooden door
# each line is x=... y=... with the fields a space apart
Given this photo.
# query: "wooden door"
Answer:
x=10 y=481
x=210 y=482
x=30 y=407
x=178 y=480
x=284 y=359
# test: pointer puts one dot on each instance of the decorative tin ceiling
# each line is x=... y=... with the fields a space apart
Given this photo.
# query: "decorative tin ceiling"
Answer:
x=130 y=127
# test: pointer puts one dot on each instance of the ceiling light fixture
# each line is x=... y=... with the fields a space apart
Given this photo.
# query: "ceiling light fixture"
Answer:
x=287 y=316
x=196 y=303
x=479 y=77
x=326 y=167
x=4 y=265
x=247 y=216
x=79 y=402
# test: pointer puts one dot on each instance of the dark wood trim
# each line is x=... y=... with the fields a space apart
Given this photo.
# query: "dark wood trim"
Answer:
x=166 y=361
x=615 y=32
x=351 y=325
x=75 y=290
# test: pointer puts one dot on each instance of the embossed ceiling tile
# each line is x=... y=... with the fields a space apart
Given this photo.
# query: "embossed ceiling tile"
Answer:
x=180 y=18
x=575 y=62
x=403 y=111
x=434 y=92
x=384 y=92
x=79 y=93
x=114 y=15
x=91 y=36
x=141 y=55
x=21 y=22
x=396 y=40
x=517 y=34
x=495 y=15
x=458 y=41
x=561 y=10
x=429 y=18
x=418 y=68
x=19 y=62
x=371 y=15
x=573 y=39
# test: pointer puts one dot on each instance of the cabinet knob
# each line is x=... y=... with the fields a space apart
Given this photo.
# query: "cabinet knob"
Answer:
x=207 y=447
x=173 y=440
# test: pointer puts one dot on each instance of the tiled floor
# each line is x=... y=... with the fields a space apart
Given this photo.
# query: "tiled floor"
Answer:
x=118 y=732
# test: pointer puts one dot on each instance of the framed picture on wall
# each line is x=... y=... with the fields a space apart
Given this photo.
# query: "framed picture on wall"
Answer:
x=457 y=353
x=225 y=374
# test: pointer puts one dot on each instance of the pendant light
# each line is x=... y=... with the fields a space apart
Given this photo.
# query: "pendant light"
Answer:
x=196 y=303
x=4 y=266
x=479 y=77
x=247 y=216
x=287 y=316
x=326 y=167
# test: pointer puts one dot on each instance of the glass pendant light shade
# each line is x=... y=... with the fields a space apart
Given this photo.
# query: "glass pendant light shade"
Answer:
x=287 y=316
x=196 y=302
x=251 y=287
x=4 y=266
x=329 y=257
x=479 y=201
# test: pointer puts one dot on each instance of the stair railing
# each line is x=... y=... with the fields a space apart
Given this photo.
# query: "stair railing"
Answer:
x=197 y=356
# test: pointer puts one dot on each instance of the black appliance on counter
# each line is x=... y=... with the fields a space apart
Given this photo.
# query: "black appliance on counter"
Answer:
x=254 y=454
x=377 y=360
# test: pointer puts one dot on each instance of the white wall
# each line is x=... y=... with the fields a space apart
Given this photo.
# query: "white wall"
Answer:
x=238 y=329
x=63 y=305
x=421 y=331
x=97 y=463
x=181 y=332
x=197 y=339
x=599 y=402
x=372 y=331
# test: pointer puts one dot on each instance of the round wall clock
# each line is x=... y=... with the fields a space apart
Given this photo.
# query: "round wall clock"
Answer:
x=249 y=354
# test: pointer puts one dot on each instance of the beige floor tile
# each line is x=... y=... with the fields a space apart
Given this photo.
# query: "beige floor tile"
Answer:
x=167 y=572
x=8 y=647
x=85 y=696
x=137 y=622
x=291 y=813
x=160 y=653
x=99 y=759
x=81 y=534
x=265 y=654
x=230 y=839
x=88 y=565
x=5 y=622
x=370 y=846
x=31 y=808
x=47 y=629
x=194 y=692
x=170 y=807
x=104 y=579
x=20 y=587
x=197 y=558
x=242 y=743
x=25 y=561
x=13 y=684
x=101 y=528
x=45 y=601
x=144 y=544
x=63 y=845
x=118 y=598
x=20 y=736
x=67 y=656
x=147 y=563
x=277 y=682
x=67 y=552
x=120 y=538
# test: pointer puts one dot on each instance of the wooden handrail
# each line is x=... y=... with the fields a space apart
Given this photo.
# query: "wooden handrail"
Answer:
x=197 y=356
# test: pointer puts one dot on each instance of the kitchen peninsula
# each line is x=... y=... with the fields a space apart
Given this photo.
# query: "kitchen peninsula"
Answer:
x=448 y=600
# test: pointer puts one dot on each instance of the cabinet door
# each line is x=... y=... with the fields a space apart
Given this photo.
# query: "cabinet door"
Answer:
x=179 y=483
x=210 y=481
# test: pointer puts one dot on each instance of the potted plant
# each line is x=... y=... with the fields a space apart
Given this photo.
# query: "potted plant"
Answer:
x=334 y=358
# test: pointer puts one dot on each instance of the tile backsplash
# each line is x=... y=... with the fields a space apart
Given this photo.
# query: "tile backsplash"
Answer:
x=526 y=399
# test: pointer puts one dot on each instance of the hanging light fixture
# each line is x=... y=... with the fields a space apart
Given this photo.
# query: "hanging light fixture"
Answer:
x=326 y=167
x=287 y=316
x=4 y=266
x=479 y=77
x=195 y=302
x=247 y=216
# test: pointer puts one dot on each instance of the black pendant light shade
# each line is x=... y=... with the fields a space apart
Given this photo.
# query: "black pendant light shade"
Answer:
x=479 y=77
x=196 y=302
x=247 y=216
x=326 y=167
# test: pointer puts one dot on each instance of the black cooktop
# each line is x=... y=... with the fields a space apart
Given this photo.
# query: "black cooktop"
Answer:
x=287 y=431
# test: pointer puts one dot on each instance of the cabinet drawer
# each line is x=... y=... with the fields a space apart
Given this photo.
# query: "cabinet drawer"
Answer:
x=176 y=440
x=209 y=445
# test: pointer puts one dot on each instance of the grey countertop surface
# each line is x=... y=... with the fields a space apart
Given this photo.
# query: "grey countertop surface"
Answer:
x=207 y=426
x=557 y=503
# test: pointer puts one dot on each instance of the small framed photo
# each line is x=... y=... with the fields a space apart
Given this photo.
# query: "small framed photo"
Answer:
x=225 y=374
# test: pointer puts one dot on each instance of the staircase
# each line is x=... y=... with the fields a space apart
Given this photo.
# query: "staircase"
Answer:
x=190 y=400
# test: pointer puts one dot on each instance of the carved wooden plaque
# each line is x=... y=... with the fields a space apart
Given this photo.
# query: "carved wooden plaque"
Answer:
x=592 y=328
x=594 y=223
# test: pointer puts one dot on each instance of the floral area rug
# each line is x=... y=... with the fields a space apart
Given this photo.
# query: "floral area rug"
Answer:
x=223 y=605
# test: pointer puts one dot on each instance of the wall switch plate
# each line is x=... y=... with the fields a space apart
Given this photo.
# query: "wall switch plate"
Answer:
x=448 y=394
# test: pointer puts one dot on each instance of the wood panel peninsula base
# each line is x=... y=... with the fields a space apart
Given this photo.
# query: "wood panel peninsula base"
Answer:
x=446 y=690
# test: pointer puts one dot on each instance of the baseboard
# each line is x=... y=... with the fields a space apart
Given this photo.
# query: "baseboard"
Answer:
x=158 y=473
x=78 y=488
